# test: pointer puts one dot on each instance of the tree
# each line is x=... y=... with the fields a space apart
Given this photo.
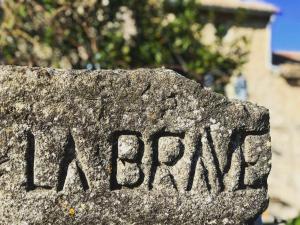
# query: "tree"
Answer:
x=116 y=34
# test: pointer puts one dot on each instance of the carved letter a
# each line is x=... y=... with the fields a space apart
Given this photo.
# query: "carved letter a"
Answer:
x=69 y=164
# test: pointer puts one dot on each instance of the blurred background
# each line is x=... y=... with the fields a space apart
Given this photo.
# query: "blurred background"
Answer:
x=245 y=49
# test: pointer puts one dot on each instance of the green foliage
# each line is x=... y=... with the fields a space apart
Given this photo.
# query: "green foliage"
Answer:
x=295 y=221
x=116 y=33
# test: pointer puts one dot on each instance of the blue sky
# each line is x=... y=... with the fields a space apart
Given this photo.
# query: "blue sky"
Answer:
x=286 y=28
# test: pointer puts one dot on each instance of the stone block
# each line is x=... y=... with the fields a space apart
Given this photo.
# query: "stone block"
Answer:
x=146 y=146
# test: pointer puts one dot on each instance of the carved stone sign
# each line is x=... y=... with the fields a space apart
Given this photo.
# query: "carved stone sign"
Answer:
x=127 y=147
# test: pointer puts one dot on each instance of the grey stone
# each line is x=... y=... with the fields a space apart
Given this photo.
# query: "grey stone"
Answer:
x=170 y=150
x=128 y=147
x=146 y=146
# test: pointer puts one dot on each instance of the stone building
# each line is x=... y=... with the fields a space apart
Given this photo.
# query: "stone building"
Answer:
x=288 y=66
x=275 y=87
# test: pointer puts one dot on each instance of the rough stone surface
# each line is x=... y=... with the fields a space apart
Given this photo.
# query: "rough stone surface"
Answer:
x=127 y=147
